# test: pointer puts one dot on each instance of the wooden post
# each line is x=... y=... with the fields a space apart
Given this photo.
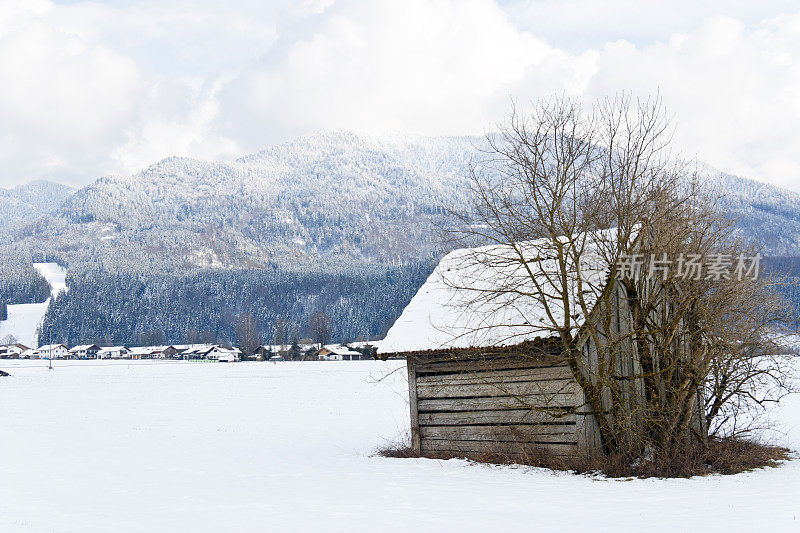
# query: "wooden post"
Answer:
x=412 y=405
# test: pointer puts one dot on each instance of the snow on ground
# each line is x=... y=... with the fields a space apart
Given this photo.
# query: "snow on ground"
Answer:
x=24 y=319
x=176 y=446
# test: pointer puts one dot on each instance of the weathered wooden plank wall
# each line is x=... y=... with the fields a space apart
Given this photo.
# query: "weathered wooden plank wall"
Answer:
x=502 y=405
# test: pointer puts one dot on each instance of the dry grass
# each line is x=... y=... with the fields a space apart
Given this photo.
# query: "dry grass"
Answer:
x=688 y=459
x=719 y=456
x=397 y=450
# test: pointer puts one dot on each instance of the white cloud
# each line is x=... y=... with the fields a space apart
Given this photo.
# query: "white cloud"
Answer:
x=407 y=65
x=449 y=67
x=576 y=25
x=735 y=93
x=59 y=92
x=92 y=88
x=89 y=89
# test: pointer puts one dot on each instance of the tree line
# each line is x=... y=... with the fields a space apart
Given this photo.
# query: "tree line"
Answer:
x=228 y=306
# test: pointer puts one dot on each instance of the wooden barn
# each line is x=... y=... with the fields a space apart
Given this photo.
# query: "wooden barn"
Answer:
x=485 y=380
x=509 y=402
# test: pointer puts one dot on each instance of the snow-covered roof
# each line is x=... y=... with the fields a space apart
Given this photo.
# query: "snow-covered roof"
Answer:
x=339 y=349
x=49 y=347
x=275 y=347
x=83 y=347
x=13 y=348
x=184 y=347
x=147 y=349
x=106 y=349
x=199 y=349
x=285 y=347
x=363 y=344
x=220 y=349
x=472 y=299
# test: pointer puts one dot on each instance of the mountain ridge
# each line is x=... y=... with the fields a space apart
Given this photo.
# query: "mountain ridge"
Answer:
x=333 y=196
x=24 y=203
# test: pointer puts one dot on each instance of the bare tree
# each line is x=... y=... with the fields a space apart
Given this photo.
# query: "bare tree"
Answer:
x=295 y=353
x=9 y=339
x=280 y=332
x=192 y=336
x=103 y=341
x=247 y=334
x=208 y=337
x=561 y=190
x=152 y=337
x=319 y=327
x=709 y=344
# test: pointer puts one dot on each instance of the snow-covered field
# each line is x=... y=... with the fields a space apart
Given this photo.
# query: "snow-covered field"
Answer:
x=175 y=446
x=25 y=319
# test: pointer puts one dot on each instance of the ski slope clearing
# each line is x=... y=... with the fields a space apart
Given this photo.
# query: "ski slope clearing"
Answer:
x=55 y=275
x=175 y=446
x=24 y=319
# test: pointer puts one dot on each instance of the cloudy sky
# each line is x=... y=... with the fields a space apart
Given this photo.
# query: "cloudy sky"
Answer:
x=95 y=88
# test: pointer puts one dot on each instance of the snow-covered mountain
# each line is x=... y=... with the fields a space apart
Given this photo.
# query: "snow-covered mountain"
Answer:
x=327 y=199
x=331 y=197
x=768 y=216
x=25 y=203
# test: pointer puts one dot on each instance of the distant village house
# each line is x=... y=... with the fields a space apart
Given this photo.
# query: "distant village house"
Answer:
x=84 y=351
x=12 y=351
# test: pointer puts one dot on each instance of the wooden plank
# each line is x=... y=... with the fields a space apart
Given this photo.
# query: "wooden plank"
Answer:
x=477 y=448
x=507 y=416
x=589 y=442
x=503 y=458
x=504 y=363
x=498 y=403
x=588 y=433
x=545 y=356
x=516 y=433
x=413 y=407
x=494 y=376
x=516 y=388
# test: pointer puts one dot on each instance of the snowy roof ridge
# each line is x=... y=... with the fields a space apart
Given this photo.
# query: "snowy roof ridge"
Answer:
x=472 y=299
x=340 y=349
x=51 y=346
x=82 y=347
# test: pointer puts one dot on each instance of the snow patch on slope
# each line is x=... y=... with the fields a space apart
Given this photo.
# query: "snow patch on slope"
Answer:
x=55 y=275
x=24 y=320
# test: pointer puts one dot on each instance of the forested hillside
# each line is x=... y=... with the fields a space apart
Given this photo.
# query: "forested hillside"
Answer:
x=135 y=308
x=766 y=215
x=25 y=203
x=332 y=197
